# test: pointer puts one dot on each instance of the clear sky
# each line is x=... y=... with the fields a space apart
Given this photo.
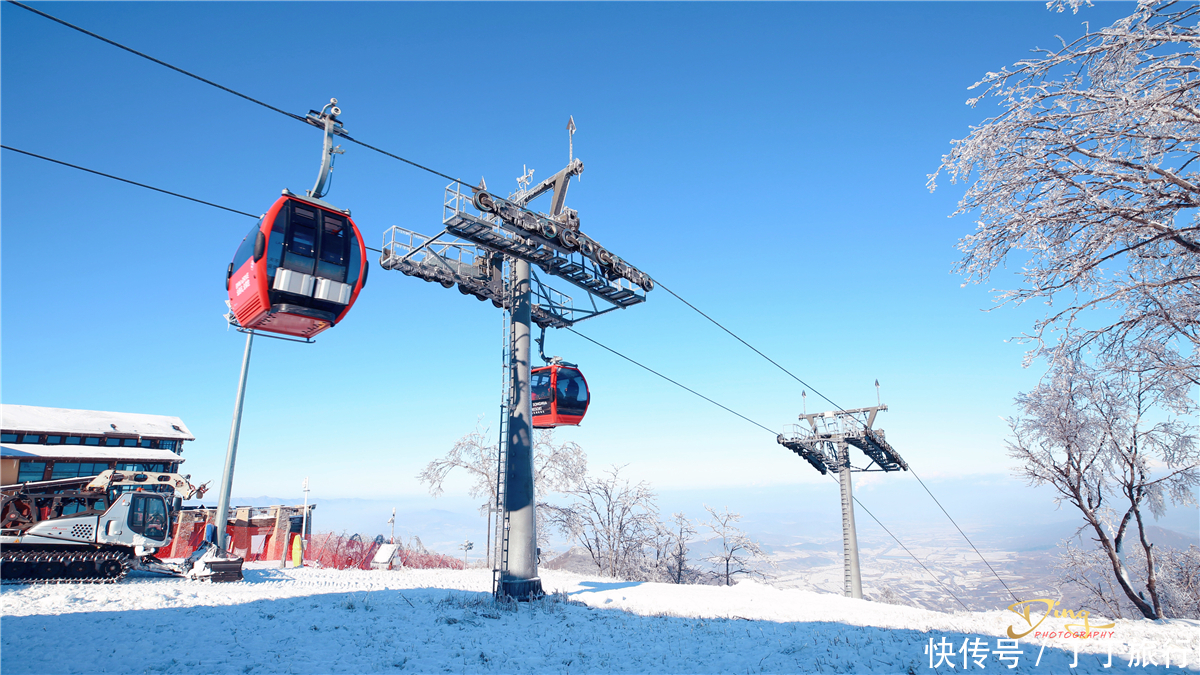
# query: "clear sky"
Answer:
x=766 y=161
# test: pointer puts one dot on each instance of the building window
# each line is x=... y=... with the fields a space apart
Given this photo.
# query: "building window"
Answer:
x=8 y=438
x=31 y=438
x=112 y=441
x=167 y=445
x=156 y=468
x=95 y=470
x=146 y=443
x=77 y=469
x=130 y=443
x=73 y=440
x=53 y=440
x=31 y=471
x=91 y=440
x=65 y=470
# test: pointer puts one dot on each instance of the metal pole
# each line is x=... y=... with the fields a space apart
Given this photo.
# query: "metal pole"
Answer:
x=849 y=536
x=522 y=580
x=287 y=537
x=304 y=523
x=231 y=453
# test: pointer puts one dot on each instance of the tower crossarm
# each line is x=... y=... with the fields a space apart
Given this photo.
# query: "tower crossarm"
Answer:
x=873 y=445
x=810 y=447
x=557 y=249
x=476 y=272
x=849 y=426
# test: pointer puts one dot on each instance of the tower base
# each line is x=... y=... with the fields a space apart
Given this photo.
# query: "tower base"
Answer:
x=522 y=589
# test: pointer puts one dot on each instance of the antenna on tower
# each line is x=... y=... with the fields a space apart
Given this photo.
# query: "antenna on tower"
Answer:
x=571 y=139
x=877 y=393
x=525 y=179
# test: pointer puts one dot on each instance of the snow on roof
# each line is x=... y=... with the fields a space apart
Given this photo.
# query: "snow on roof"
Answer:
x=35 y=452
x=66 y=421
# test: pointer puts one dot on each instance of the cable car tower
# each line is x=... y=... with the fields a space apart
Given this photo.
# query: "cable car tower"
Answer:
x=494 y=247
x=824 y=442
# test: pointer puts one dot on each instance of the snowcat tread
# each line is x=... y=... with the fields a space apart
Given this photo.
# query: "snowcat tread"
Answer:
x=64 y=561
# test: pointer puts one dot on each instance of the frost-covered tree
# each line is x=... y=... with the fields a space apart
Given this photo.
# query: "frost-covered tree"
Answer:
x=1179 y=581
x=614 y=521
x=1087 y=180
x=1176 y=571
x=1107 y=445
x=474 y=454
x=739 y=553
x=667 y=557
x=678 y=533
x=557 y=467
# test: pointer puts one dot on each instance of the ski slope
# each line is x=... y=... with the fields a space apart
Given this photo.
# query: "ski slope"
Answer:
x=433 y=621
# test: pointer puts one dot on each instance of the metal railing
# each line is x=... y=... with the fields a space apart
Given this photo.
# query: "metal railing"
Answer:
x=406 y=248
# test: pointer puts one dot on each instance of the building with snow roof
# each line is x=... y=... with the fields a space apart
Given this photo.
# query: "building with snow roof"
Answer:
x=39 y=443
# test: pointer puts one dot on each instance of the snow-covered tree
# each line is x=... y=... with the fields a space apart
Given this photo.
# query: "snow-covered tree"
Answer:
x=557 y=467
x=1087 y=180
x=1106 y=445
x=1176 y=571
x=739 y=553
x=613 y=520
x=678 y=533
x=474 y=454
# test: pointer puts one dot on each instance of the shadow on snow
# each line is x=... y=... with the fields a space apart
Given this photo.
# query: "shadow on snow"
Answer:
x=438 y=629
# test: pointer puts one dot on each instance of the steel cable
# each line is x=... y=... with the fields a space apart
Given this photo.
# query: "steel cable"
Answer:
x=151 y=58
x=224 y=88
x=126 y=180
x=141 y=185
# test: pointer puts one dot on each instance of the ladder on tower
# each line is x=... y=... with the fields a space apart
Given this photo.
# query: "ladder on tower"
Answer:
x=500 y=557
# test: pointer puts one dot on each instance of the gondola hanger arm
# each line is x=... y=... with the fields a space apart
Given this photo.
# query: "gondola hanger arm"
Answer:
x=328 y=121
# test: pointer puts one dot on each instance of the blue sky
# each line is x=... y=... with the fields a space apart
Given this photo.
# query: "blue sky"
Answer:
x=765 y=161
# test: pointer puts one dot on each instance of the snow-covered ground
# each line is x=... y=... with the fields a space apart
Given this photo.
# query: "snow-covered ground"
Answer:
x=320 y=621
x=1030 y=574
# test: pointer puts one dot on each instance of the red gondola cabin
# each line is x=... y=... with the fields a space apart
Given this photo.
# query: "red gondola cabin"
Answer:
x=299 y=270
x=560 y=396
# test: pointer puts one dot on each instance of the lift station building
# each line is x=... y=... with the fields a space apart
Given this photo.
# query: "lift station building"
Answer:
x=39 y=443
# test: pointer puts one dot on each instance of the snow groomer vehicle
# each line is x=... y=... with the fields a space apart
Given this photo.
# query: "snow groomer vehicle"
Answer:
x=97 y=529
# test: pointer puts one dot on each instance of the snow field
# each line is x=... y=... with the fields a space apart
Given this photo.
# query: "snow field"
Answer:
x=324 y=621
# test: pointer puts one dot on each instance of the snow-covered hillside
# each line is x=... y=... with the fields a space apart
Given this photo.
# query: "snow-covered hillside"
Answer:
x=318 y=621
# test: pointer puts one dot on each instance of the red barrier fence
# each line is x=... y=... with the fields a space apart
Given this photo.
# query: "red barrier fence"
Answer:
x=341 y=552
x=426 y=560
x=338 y=551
